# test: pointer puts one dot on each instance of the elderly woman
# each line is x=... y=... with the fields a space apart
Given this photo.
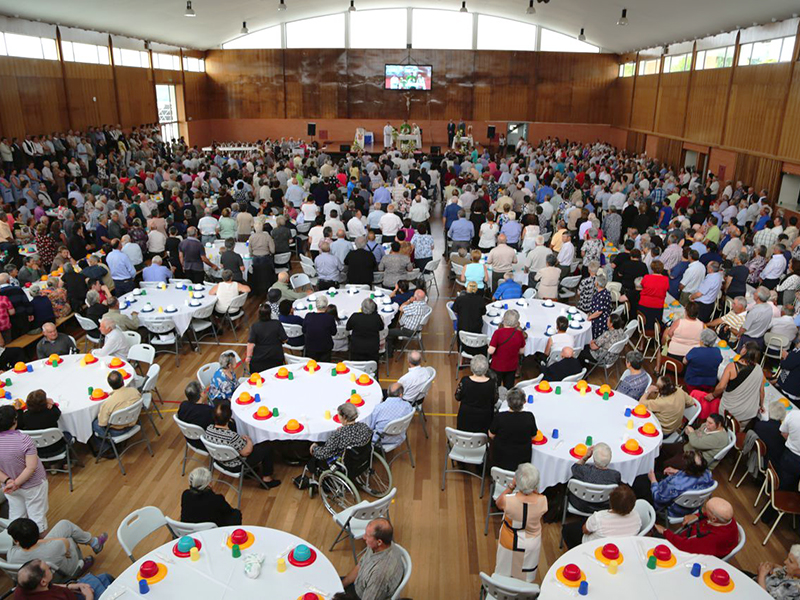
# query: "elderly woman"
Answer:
x=511 y=432
x=46 y=246
x=42 y=413
x=488 y=232
x=319 y=327
x=224 y=380
x=227 y=225
x=200 y=504
x=702 y=363
x=695 y=476
x=506 y=347
x=782 y=582
x=475 y=271
x=682 y=335
x=365 y=328
x=520 y=539
x=586 y=288
x=548 y=279
x=654 y=287
x=477 y=395
x=600 y=308
x=618 y=520
x=265 y=343
x=597 y=352
x=226 y=291
x=57 y=295
x=741 y=387
x=42 y=308
x=591 y=250
x=667 y=402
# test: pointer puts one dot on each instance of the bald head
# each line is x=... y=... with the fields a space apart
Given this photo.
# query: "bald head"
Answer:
x=567 y=352
x=720 y=509
x=283 y=277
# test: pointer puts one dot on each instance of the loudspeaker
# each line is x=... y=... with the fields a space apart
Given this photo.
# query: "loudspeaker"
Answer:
x=436 y=150
x=490 y=132
x=344 y=148
x=311 y=129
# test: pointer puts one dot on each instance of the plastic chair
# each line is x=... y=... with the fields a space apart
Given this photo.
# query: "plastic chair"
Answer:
x=469 y=340
x=408 y=567
x=647 y=514
x=690 y=414
x=529 y=293
x=165 y=336
x=577 y=377
x=627 y=373
x=499 y=587
x=419 y=401
x=783 y=501
x=180 y=529
x=721 y=454
x=353 y=521
x=220 y=453
x=193 y=433
x=10 y=569
x=613 y=353
x=137 y=526
x=206 y=372
x=523 y=384
x=311 y=272
x=147 y=394
x=47 y=437
x=429 y=274
x=740 y=544
x=417 y=334
x=761 y=449
x=282 y=262
x=775 y=344
x=593 y=493
x=202 y=324
x=394 y=428
x=454 y=319
x=305 y=260
x=124 y=417
x=692 y=499
x=299 y=280
x=139 y=353
x=88 y=325
x=501 y=479
x=293 y=331
x=235 y=312
x=568 y=286
x=368 y=366
x=465 y=447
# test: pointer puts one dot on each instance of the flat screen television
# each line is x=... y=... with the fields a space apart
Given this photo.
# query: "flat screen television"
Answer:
x=408 y=77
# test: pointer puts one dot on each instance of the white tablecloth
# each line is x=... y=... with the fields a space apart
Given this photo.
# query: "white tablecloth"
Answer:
x=242 y=248
x=68 y=385
x=634 y=581
x=348 y=302
x=305 y=398
x=219 y=576
x=172 y=296
x=409 y=137
x=230 y=149
x=577 y=417
x=534 y=312
x=517 y=268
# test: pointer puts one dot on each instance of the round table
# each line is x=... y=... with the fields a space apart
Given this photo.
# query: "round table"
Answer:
x=27 y=250
x=517 y=268
x=214 y=252
x=535 y=317
x=68 y=385
x=173 y=295
x=305 y=399
x=217 y=575
x=347 y=302
x=634 y=581
x=576 y=417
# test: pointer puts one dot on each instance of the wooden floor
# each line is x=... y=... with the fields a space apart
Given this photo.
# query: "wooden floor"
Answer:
x=443 y=531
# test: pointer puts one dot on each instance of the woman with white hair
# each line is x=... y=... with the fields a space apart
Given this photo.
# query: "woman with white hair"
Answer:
x=224 y=380
x=477 y=395
x=600 y=305
x=702 y=364
x=506 y=347
x=200 y=504
x=548 y=279
x=782 y=582
x=591 y=250
x=520 y=539
x=319 y=327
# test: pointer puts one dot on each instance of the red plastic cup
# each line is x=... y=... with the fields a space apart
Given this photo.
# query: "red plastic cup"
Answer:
x=662 y=552
x=611 y=552
x=148 y=569
x=572 y=572
x=239 y=536
x=720 y=577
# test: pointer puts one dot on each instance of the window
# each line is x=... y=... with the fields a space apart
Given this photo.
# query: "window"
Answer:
x=627 y=69
x=649 y=67
x=167 y=104
x=441 y=30
x=766 y=52
x=84 y=53
x=169 y=62
x=320 y=32
x=265 y=38
x=553 y=41
x=195 y=65
x=3 y=46
x=27 y=46
x=379 y=28
x=678 y=63
x=131 y=58
x=504 y=34
x=716 y=58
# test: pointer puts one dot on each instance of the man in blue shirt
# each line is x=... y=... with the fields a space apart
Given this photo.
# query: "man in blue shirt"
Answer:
x=706 y=294
x=512 y=229
x=508 y=289
x=121 y=269
x=450 y=213
x=156 y=271
x=391 y=409
x=461 y=232
x=382 y=195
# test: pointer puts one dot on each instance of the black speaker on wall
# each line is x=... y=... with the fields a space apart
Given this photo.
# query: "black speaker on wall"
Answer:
x=344 y=148
x=312 y=129
x=436 y=150
x=490 y=132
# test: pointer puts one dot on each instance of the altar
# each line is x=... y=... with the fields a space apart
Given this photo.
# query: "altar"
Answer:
x=463 y=143
x=410 y=137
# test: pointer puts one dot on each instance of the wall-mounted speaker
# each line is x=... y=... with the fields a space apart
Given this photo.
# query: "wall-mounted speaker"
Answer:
x=490 y=132
x=311 y=129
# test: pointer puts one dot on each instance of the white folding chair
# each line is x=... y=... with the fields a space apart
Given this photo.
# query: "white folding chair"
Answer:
x=134 y=337
x=469 y=340
x=164 y=336
x=358 y=286
x=568 y=287
x=353 y=521
x=368 y=366
x=293 y=331
x=721 y=454
x=202 y=325
x=282 y=262
x=419 y=401
x=299 y=280
x=692 y=500
x=429 y=274
x=592 y=493
x=454 y=320
x=180 y=529
x=525 y=383
x=392 y=429
x=221 y=454
x=137 y=526
x=235 y=311
x=291 y=359
x=305 y=260
x=124 y=417
x=613 y=355
x=10 y=569
x=141 y=353
x=690 y=414
x=775 y=344
x=465 y=447
x=150 y=381
x=529 y=293
x=44 y=438
x=191 y=433
x=206 y=372
x=407 y=568
x=577 y=377
x=417 y=334
x=647 y=514
x=501 y=479
x=311 y=272
x=88 y=326
x=739 y=545
x=627 y=373
x=458 y=271
x=500 y=587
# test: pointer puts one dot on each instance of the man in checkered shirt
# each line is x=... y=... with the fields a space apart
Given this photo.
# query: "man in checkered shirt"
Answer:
x=412 y=313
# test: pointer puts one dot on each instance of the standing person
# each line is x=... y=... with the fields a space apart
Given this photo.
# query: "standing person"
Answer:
x=22 y=474
x=122 y=270
x=193 y=256
x=477 y=395
x=319 y=328
x=506 y=347
x=365 y=328
x=265 y=343
x=262 y=249
x=652 y=295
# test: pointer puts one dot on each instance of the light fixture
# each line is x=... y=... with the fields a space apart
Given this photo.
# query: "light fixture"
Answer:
x=581 y=37
x=623 y=20
x=463 y=6
x=244 y=30
x=281 y=5
x=531 y=10
x=189 y=12
x=352 y=6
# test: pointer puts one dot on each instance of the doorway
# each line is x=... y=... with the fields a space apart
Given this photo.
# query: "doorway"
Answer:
x=167 y=105
x=515 y=132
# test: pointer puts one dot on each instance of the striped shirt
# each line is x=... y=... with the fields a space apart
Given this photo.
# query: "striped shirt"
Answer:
x=226 y=437
x=413 y=314
x=14 y=447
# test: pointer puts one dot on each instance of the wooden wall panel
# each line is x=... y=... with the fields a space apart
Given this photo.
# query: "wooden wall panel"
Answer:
x=620 y=101
x=90 y=89
x=760 y=172
x=136 y=95
x=245 y=83
x=755 y=111
x=644 y=102
x=671 y=110
x=32 y=94
x=196 y=95
x=705 y=114
x=789 y=138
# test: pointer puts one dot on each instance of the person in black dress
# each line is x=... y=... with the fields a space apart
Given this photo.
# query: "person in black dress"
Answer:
x=42 y=413
x=361 y=264
x=477 y=396
x=287 y=317
x=195 y=410
x=736 y=277
x=511 y=433
x=265 y=344
x=365 y=328
x=200 y=504
x=75 y=284
x=470 y=307
x=230 y=259
x=319 y=328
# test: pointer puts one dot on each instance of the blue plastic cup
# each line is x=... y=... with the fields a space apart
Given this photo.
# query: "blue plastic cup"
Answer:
x=258 y=397
x=30 y=368
x=696 y=570
x=143 y=586
x=627 y=412
x=530 y=398
x=555 y=434
x=583 y=588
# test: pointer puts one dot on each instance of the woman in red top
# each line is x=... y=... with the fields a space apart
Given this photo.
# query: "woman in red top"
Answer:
x=654 y=291
x=505 y=348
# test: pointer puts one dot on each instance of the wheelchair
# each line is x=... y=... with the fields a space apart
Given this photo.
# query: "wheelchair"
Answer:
x=358 y=467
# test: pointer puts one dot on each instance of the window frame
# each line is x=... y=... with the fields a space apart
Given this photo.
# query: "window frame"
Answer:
x=700 y=58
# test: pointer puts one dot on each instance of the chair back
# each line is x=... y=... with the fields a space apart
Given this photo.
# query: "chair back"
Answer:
x=161 y=325
x=237 y=303
x=293 y=330
x=282 y=259
x=627 y=373
x=694 y=499
x=142 y=353
x=86 y=323
x=432 y=266
x=305 y=260
x=529 y=293
x=473 y=340
x=151 y=379
x=357 y=286
x=134 y=337
x=137 y=526
x=593 y=493
x=127 y=416
x=465 y=439
x=525 y=383
x=761 y=448
x=398 y=426
x=206 y=372
x=631 y=328
x=45 y=437
x=457 y=269
x=309 y=270
x=407 y=567
x=220 y=453
x=189 y=431
x=617 y=347
x=647 y=514
x=690 y=413
x=10 y=569
x=508 y=588
x=180 y=529
x=450 y=313
x=299 y=280
x=204 y=312
x=501 y=479
x=368 y=366
x=368 y=511
x=291 y=359
x=577 y=376
x=570 y=283
x=721 y=454
x=427 y=385
x=739 y=545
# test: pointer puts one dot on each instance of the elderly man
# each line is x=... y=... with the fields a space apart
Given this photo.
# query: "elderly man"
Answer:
x=122 y=270
x=116 y=343
x=536 y=260
x=192 y=256
x=54 y=342
x=713 y=532
x=380 y=569
x=706 y=295
x=157 y=271
x=208 y=227
x=392 y=408
x=597 y=473
x=355 y=226
x=285 y=288
x=374 y=217
x=512 y=229
x=412 y=313
x=735 y=318
x=390 y=224
x=121 y=397
x=341 y=247
x=461 y=232
x=566 y=366
x=35 y=580
x=566 y=254
x=692 y=278
x=774 y=269
x=361 y=264
x=122 y=322
x=414 y=379
x=758 y=320
x=501 y=259
x=329 y=268
x=132 y=250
